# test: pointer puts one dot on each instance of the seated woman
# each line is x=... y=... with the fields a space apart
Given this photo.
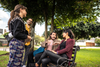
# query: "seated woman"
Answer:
x=64 y=50
x=50 y=44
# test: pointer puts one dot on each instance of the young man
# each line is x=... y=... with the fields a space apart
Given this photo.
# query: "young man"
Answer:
x=50 y=44
x=27 y=44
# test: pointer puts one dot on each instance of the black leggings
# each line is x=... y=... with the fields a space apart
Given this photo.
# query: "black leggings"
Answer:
x=46 y=61
x=31 y=60
x=52 y=57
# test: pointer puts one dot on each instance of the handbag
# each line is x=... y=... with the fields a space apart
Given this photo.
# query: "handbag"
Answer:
x=9 y=37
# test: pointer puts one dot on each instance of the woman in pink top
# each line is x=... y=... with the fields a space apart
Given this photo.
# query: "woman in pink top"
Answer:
x=64 y=49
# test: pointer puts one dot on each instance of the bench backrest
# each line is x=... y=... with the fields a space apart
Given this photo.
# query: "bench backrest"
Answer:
x=75 y=49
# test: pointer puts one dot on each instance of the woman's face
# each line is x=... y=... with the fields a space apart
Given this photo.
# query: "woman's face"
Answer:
x=23 y=11
x=65 y=34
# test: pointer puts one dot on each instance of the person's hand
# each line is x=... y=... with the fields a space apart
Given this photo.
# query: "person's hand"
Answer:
x=54 y=52
x=28 y=39
x=55 y=43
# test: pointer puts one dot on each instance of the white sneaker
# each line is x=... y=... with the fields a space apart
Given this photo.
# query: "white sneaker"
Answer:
x=24 y=65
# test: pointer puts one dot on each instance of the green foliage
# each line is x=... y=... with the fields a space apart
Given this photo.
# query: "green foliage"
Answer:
x=65 y=12
x=82 y=30
x=97 y=40
x=48 y=33
x=39 y=9
x=5 y=34
x=38 y=39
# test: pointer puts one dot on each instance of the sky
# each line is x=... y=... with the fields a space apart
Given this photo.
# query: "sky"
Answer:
x=4 y=17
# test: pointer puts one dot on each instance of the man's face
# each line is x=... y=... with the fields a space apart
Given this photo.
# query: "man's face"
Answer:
x=53 y=36
x=29 y=21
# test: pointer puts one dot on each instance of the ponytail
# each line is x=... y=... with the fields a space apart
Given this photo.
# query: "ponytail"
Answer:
x=15 y=12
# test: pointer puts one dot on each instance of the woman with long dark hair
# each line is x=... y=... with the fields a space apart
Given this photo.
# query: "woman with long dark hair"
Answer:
x=17 y=29
x=64 y=49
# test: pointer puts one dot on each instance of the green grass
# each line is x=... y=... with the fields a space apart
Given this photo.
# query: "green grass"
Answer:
x=88 y=58
x=3 y=52
x=4 y=61
x=84 y=58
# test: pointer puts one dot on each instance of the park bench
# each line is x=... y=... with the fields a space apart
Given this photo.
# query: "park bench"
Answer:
x=66 y=63
x=72 y=60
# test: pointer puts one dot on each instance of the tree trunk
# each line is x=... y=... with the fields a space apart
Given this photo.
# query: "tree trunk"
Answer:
x=52 y=19
x=33 y=33
x=45 y=27
x=36 y=43
x=45 y=14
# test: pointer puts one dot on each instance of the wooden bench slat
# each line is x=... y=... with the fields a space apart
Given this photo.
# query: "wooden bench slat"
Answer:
x=74 y=49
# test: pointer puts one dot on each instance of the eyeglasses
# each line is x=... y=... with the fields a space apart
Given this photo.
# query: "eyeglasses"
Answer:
x=30 y=20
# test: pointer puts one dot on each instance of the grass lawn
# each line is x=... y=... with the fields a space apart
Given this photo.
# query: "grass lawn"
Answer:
x=4 y=59
x=3 y=52
x=88 y=58
x=84 y=58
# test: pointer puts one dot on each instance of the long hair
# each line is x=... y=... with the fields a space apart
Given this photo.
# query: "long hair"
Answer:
x=70 y=33
x=51 y=34
x=15 y=12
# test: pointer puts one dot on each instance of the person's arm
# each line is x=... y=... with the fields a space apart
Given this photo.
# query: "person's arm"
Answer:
x=67 y=48
x=57 y=42
x=58 y=48
x=17 y=32
x=43 y=44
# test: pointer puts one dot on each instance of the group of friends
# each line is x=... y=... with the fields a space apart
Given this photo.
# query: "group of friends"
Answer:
x=22 y=37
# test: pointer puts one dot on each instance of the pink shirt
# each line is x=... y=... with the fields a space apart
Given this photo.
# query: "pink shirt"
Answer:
x=50 y=46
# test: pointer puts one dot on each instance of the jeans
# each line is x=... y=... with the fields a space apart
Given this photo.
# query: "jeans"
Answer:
x=27 y=48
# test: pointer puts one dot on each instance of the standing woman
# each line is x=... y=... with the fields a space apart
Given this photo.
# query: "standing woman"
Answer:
x=17 y=28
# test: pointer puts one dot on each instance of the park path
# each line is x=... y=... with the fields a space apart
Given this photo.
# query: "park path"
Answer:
x=89 y=47
x=4 y=49
x=7 y=48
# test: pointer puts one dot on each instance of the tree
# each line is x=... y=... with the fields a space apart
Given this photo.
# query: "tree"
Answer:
x=38 y=39
x=43 y=10
x=83 y=30
x=97 y=40
x=48 y=34
x=75 y=11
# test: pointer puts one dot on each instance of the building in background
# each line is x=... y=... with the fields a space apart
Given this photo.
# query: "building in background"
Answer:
x=3 y=41
x=1 y=31
x=88 y=43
